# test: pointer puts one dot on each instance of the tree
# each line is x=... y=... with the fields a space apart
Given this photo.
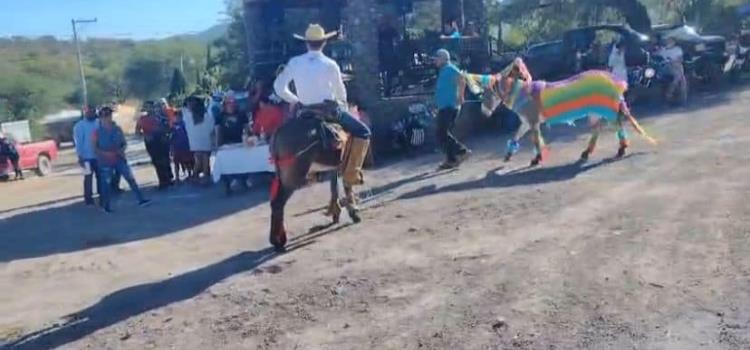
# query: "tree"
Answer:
x=146 y=77
x=178 y=85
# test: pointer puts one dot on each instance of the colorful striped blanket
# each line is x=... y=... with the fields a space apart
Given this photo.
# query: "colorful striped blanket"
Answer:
x=589 y=93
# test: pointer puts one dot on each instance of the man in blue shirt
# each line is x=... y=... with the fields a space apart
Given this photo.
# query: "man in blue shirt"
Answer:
x=83 y=131
x=449 y=96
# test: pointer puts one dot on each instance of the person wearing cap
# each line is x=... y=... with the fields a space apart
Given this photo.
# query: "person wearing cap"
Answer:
x=83 y=131
x=318 y=79
x=449 y=96
x=109 y=144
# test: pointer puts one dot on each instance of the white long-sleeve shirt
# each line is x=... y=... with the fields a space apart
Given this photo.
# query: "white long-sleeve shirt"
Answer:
x=316 y=78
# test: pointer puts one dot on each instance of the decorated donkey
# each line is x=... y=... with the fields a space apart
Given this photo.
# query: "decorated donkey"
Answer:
x=596 y=95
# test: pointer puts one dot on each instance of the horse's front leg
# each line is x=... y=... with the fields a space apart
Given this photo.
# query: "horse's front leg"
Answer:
x=514 y=143
x=596 y=128
x=540 y=149
x=334 y=207
x=280 y=194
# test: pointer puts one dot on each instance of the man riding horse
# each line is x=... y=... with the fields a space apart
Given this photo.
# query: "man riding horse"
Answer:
x=320 y=98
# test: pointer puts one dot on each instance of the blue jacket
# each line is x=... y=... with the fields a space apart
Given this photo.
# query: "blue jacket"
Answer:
x=82 y=135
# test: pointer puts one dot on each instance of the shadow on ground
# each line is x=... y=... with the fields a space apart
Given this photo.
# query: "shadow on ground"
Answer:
x=73 y=227
x=136 y=300
x=521 y=177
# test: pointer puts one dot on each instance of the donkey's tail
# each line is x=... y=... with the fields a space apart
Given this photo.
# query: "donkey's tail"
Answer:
x=624 y=110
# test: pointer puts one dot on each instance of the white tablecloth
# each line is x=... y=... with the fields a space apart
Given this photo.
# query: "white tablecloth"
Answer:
x=239 y=159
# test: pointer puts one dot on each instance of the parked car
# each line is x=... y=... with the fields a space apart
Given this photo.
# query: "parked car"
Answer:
x=543 y=59
x=582 y=49
x=705 y=55
x=587 y=42
x=37 y=156
x=59 y=126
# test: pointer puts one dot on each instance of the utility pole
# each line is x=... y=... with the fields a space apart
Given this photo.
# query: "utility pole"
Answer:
x=80 y=59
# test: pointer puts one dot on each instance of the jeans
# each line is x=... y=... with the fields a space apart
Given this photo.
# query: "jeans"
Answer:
x=16 y=168
x=354 y=126
x=446 y=119
x=158 y=150
x=88 y=180
x=105 y=173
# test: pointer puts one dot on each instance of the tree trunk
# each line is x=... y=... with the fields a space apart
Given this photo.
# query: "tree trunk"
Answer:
x=636 y=14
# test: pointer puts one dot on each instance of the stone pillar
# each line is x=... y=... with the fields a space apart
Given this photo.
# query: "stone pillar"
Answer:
x=330 y=14
x=255 y=31
x=452 y=10
x=474 y=11
x=361 y=31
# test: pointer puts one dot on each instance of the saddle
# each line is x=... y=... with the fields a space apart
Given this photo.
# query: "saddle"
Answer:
x=333 y=136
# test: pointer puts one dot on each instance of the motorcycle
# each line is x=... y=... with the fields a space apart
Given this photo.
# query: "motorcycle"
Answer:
x=644 y=80
x=409 y=133
x=737 y=63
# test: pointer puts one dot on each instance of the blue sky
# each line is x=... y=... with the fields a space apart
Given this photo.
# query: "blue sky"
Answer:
x=133 y=19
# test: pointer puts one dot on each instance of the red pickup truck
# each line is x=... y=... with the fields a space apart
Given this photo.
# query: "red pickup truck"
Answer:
x=37 y=156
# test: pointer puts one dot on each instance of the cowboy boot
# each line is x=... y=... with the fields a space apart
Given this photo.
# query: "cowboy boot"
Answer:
x=356 y=155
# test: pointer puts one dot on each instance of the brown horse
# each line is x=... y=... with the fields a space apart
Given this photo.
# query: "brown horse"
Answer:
x=301 y=148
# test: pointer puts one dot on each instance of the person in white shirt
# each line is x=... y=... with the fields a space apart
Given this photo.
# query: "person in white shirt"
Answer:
x=318 y=79
x=673 y=53
x=616 y=62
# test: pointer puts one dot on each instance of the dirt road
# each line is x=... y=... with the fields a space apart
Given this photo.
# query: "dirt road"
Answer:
x=648 y=252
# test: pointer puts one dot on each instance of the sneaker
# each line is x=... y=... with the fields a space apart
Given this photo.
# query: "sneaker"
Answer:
x=89 y=202
x=107 y=210
x=144 y=203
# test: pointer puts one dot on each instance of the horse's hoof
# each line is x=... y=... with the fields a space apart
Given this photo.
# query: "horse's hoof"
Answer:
x=354 y=214
x=278 y=241
x=585 y=156
x=536 y=161
x=621 y=152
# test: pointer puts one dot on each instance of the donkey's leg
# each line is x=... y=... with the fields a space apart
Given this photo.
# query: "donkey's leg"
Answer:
x=596 y=129
x=334 y=207
x=352 y=204
x=513 y=144
x=622 y=135
x=280 y=194
x=540 y=149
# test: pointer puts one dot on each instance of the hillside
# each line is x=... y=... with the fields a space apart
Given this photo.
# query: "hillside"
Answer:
x=41 y=75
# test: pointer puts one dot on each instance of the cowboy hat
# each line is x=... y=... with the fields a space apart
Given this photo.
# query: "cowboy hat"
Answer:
x=315 y=32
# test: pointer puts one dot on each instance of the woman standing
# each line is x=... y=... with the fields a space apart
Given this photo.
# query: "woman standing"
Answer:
x=199 y=124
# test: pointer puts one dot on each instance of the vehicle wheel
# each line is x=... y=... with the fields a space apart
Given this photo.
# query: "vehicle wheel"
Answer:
x=43 y=165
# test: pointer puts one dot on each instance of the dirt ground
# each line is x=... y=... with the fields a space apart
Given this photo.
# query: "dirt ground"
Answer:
x=648 y=252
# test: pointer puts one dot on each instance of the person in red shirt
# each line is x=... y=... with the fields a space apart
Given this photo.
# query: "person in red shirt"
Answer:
x=267 y=118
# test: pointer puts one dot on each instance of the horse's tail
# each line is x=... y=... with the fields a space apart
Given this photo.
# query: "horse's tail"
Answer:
x=624 y=110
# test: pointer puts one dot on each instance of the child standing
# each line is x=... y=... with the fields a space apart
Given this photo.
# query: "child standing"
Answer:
x=180 y=147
